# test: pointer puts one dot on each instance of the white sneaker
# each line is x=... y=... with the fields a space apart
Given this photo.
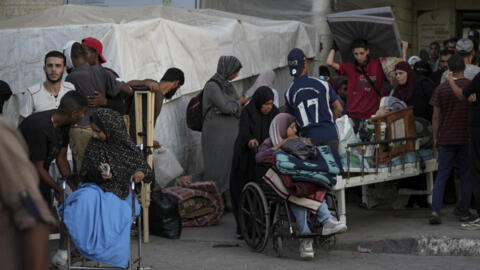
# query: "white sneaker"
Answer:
x=471 y=226
x=306 y=249
x=60 y=258
x=332 y=226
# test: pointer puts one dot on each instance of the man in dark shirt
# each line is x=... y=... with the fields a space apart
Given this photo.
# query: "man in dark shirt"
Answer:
x=46 y=135
x=471 y=92
x=442 y=65
x=171 y=81
x=450 y=135
x=94 y=83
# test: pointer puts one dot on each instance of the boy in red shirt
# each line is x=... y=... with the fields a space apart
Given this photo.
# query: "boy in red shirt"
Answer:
x=363 y=94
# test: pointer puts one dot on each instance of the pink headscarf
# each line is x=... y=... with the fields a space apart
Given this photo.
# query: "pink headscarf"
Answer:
x=279 y=126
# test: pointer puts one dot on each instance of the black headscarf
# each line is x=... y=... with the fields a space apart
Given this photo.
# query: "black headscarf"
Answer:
x=258 y=122
x=118 y=151
x=253 y=125
x=5 y=93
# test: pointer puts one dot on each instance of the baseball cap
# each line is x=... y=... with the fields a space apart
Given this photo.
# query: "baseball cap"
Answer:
x=473 y=34
x=464 y=46
x=296 y=59
x=96 y=45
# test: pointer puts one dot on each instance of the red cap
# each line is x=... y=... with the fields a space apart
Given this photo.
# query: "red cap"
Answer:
x=96 y=45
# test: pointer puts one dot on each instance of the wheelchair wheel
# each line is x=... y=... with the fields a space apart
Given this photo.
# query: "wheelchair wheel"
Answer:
x=254 y=216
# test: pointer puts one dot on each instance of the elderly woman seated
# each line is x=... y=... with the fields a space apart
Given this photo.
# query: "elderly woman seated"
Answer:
x=99 y=214
x=282 y=129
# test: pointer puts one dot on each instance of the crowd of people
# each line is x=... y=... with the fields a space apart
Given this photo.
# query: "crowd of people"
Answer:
x=85 y=113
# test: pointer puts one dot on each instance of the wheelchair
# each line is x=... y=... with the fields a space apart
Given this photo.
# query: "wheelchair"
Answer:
x=133 y=261
x=264 y=215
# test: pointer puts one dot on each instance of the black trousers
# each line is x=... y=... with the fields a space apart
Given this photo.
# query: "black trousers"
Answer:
x=474 y=168
x=238 y=180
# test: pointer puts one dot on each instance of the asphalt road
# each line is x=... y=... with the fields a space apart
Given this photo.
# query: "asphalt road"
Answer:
x=197 y=255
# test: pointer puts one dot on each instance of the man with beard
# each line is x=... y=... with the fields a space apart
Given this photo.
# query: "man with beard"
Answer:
x=47 y=95
x=442 y=66
x=171 y=81
x=433 y=51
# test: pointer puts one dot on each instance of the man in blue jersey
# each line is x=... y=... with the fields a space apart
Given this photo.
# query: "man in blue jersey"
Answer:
x=311 y=101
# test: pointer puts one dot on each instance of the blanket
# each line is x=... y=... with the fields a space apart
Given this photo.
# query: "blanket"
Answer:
x=99 y=224
x=200 y=204
x=321 y=170
x=311 y=202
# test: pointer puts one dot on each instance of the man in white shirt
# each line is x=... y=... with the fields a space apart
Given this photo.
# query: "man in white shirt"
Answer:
x=464 y=48
x=46 y=95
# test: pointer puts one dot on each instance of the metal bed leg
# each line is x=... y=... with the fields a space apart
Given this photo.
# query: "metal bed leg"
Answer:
x=342 y=207
x=365 y=195
x=430 y=186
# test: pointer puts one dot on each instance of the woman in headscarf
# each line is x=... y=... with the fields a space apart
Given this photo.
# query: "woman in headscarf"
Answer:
x=98 y=214
x=415 y=90
x=282 y=129
x=265 y=78
x=254 y=125
x=221 y=109
x=112 y=145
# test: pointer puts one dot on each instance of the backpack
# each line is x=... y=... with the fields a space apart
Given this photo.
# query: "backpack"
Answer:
x=194 y=110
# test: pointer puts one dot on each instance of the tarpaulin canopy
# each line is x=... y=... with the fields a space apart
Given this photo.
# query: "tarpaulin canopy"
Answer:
x=143 y=42
x=377 y=26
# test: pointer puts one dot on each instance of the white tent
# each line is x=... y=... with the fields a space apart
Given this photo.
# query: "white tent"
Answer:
x=143 y=42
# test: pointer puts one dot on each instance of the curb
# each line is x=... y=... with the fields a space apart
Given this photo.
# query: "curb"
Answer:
x=421 y=246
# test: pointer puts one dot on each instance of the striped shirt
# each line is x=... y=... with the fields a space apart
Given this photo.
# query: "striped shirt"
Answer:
x=453 y=129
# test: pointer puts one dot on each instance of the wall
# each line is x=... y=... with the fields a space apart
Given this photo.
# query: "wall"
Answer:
x=10 y=8
x=446 y=9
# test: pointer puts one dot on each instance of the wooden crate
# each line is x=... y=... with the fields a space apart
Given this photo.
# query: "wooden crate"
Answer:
x=399 y=124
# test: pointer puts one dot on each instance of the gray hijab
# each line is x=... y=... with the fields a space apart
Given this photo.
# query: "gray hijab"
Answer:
x=227 y=66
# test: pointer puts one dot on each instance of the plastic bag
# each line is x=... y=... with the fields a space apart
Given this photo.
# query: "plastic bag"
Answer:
x=346 y=134
x=166 y=166
x=164 y=219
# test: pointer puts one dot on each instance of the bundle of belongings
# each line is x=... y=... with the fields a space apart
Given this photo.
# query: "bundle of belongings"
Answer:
x=302 y=174
x=320 y=169
x=199 y=204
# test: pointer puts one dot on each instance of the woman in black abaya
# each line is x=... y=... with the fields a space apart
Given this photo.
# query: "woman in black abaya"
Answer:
x=254 y=127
